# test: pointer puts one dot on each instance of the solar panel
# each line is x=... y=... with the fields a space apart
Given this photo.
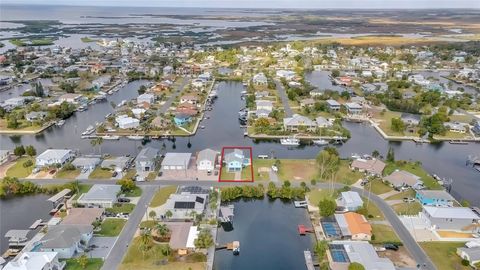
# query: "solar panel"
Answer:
x=184 y=205
x=199 y=200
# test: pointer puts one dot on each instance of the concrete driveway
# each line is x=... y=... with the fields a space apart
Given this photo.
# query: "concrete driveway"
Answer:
x=84 y=175
x=103 y=246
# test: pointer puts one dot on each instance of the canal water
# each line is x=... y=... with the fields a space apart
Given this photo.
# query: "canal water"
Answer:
x=268 y=235
x=223 y=129
x=19 y=213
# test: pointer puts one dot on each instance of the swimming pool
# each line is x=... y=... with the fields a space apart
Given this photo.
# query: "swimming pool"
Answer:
x=331 y=229
x=339 y=254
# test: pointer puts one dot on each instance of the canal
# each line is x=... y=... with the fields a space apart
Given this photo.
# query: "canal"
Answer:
x=268 y=235
x=223 y=129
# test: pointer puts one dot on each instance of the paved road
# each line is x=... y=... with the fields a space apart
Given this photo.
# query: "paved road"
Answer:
x=171 y=99
x=119 y=249
x=409 y=242
x=283 y=96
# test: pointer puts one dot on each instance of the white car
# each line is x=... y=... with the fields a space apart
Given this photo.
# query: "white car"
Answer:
x=274 y=168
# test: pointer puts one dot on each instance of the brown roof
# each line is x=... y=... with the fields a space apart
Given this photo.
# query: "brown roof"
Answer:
x=375 y=166
x=357 y=223
x=82 y=216
x=179 y=234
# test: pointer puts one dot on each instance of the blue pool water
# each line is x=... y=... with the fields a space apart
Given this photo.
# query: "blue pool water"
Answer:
x=331 y=229
x=339 y=256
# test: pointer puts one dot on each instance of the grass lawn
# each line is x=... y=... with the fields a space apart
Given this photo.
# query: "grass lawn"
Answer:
x=407 y=208
x=385 y=121
x=297 y=169
x=67 y=174
x=384 y=234
x=247 y=173
x=378 y=187
x=101 y=173
x=452 y=135
x=345 y=175
x=373 y=213
x=93 y=264
x=409 y=193
x=162 y=195
x=225 y=175
x=23 y=126
x=414 y=168
x=18 y=170
x=121 y=208
x=83 y=188
x=315 y=196
x=136 y=192
x=147 y=224
x=443 y=254
x=259 y=165
x=112 y=226
x=129 y=175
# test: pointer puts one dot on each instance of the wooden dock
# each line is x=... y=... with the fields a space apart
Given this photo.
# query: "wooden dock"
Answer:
x=308 y=260
x=36 y=224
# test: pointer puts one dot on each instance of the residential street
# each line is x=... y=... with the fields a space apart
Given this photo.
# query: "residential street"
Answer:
x=283 y=96
x=172 y=98
x=120 y=247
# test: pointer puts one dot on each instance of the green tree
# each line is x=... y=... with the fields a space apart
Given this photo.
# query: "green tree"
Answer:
x=397 y=125
x=375 y=154
x=82 y=261
x=162 y=230
x=390 y=155
x=30 y=150
x=168 y=214
x=204 y=239
x=19 y=151
x=97 y=142
x=127 y=185
x=320 y=249
x=327 y=207
x=145 y=242
x=355 y=266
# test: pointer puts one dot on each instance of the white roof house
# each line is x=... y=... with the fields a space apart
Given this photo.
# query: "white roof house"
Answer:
x=206 y=160
x=182 y=204
x=351 y=200
x=176 y=161
x=361 y=252
x=260 y=79
x=53 y=156
x=297 y=121
x=450 y=218
x=100 y=196
x=35 y=261
x=148 y=98
x=86 y=162
x=126 y=122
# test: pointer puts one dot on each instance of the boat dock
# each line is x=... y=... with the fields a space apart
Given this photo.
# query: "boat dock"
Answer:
x=308 y=260
x=302 y=230
x=300 y=204
x=35 y=225
x=234 y=246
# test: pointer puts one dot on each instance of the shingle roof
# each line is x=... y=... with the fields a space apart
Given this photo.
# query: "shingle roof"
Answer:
x=207 y=154
x=64 y=236
x=147 y=154
x=102 y=192
x=176 y=159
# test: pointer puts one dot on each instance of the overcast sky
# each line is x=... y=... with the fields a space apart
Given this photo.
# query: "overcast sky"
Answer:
x=352 y=4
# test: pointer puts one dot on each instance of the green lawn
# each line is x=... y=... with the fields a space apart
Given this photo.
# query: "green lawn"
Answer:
x=372 y=211
x=112 y=226
x=386 y=122
x=101 y=173
x=122 y=208
x=378 y=187
x=297 y=170
x=407 y=208
x=409 y=193
x=162 y=195
x=19 y=170
x=262 y=163
x=67 y=174
x=93 y=264
x=345 y=175
x=225 y=175
x=129 y=175
x=315 y=196
x=136 y=192
x=247 y=173
x=383 y=234
x=83 y=188
x=443 y=254
x=414 y=168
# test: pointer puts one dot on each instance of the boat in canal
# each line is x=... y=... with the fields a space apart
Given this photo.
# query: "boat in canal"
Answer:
x=60 y=123
x=135 y=137
x=110 y=137
x=320 y=142
x=290 y=141
x=90 y=129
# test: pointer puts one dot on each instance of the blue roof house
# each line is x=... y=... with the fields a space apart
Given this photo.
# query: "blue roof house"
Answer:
x=236 y=160
x=434 y=198
x=182 y=119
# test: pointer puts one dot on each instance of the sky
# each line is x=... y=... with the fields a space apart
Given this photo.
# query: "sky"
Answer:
x=315 y=4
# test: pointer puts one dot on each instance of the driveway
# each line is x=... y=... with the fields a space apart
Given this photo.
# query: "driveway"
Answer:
x=283 y=96
x=84 y=175
x=103 y=246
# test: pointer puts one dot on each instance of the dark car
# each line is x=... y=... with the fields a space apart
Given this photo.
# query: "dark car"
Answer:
x=391 y=247
x=124 y=200
x=114 y=174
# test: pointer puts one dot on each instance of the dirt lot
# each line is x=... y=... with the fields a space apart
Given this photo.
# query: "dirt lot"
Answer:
x=400 y=258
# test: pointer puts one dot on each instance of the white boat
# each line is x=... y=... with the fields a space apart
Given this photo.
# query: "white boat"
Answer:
x=90 y=130
x=135 y=137
x=110 y=137
x=60 y=123
x=290 y=141
x=320 y=142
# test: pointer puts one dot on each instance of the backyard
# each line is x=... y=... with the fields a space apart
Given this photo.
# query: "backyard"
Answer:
x=111 y=227
x=20 y=170
x=121 y=208
x=414 y=168
x=443 y=254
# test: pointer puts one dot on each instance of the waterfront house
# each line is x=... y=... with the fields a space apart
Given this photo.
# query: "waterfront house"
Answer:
x=298 y=122
x=235 y=161
x=333 y=105
x=83 y=216
x=180 y=235
x=35 y=116
x=260 y=79
x=350 y=200
x=456 y=127
x=98 y=83
x=146 y=160
x=354 y=226
x=146 y=97
x=190 y=99
x=261 y=94
x=66 y=240
x=286 y=74
x=371 y=166
x=472 y=255
x=176 y=161
x=127 y=122
x=198 y=83
x=400 y=178
x=138 y=112
x=86 y=163
x=353 y=108
x=342 y=253
x=117 y=164
x=54 y=156
x=100 y=195
x=36 y=261
x=410 y=119
x=434 y=197
x=70 y=98
x=322 y=122
x=264 y=105
x=450 y=218
x=183 y=204
x=307 y=103
x=206 y=160
x=316 y=92
x=181 y=119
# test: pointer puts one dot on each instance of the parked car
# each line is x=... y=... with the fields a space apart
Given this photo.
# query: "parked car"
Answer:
x=274 y=168
x=391 y=247
x=160 y=173
x=408 y=200
x=123 y=200
x=364 y=182
x=114 y=174
x=52 y=171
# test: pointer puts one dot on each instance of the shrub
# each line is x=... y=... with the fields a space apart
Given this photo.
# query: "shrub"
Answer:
x=27 y=163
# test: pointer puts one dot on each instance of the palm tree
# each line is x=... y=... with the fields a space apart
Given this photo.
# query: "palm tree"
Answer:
x=97 y=141
x=168 y=214
x=145 y=242
x=162 y=230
